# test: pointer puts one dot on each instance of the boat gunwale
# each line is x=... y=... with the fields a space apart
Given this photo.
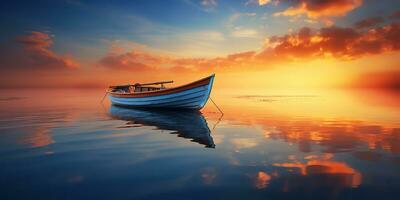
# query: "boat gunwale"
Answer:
x=162 y=92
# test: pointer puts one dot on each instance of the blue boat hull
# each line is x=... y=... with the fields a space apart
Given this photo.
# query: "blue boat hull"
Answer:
x=193 y=98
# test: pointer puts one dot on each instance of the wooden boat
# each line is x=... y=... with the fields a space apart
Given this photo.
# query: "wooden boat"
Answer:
x=190 y=125
x=190 y=96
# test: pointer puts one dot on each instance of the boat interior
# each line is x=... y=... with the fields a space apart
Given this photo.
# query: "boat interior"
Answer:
x=137 y=87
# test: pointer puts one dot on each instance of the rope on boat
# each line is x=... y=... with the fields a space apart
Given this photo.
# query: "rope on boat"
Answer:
x=219 y=120
x=216 y=106
x=104 y=97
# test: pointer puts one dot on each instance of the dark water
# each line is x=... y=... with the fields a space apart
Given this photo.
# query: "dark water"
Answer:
x=64 y=144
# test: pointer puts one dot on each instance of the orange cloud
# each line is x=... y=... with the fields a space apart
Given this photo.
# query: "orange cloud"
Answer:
x=263 y=2
x=134 y=60
x=307 y=43
x=37 y=54
x=316 y=9
x=141 y=61
x=137 y=60
x=343 y=43
x=31 y=55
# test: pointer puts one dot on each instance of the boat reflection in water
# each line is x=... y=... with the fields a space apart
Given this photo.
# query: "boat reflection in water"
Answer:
x=188 y=124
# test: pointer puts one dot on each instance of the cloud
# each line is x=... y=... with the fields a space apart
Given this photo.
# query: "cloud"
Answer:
x=36 y=40
x=338 y=42
x=209 y=4
x=317 y=8
x=36 y=53
x=134 y=60
x=263 y=2
x=236 y=17
x=204 y=5
x=395 y=15
x=143 y=61
x=240 y=32
x=369 y=22
x=343 y=43
x=243 y=56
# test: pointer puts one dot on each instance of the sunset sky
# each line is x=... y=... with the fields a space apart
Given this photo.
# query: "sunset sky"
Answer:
x=247 y=43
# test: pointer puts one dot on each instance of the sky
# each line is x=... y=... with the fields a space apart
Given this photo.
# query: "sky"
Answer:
x=246 y=43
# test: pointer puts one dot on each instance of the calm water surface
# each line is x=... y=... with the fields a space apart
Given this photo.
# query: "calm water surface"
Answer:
x=274 y=145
